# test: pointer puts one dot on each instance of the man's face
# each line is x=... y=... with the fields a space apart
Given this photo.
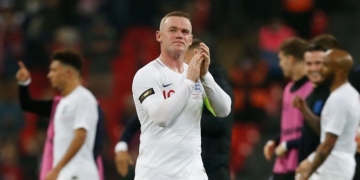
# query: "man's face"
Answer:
x=285 y=62
x=57 y=74
x=175 y=34
x=328 y=71
x=313 y=64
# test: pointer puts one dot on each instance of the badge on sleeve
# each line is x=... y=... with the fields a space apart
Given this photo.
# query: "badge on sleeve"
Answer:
x=146 y=94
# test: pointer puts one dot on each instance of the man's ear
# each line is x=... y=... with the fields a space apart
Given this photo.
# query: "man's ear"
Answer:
x=340 y=72
x=158 y=36
x=68 y=71
x=292 y=59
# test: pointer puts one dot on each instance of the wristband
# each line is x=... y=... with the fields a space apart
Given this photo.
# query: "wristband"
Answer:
x=25 y=83
x=121 y=146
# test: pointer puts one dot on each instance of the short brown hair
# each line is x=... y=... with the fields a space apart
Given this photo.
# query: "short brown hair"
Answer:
x=326 y=40
x=316 y=47
x=195 y=44
x=295 y=47
x=69 y=57
x=175 y=14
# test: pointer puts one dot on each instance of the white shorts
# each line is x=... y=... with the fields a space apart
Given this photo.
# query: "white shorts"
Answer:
x=193 y=171
x=80 y=172
x=337 y=166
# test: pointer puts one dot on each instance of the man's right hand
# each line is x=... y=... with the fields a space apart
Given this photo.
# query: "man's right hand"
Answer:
x=122 y=162
x=194 y=67
x=299 y=103
x=269 y=149
x=23 y=73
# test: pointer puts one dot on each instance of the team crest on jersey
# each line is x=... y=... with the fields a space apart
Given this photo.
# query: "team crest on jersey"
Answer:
x=198 y=91
x=64 y=110
x=197 y=87
x=146 y=94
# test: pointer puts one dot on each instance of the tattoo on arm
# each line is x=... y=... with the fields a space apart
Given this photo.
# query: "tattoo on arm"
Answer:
x=323 y=150
x=318 y=160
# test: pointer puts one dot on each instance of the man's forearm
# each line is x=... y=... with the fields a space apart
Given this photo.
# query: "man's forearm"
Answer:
x=311 y=119
x=165 y=111
x=322 y=152
x=39 y=107
x=75 y=145
x=220 y=101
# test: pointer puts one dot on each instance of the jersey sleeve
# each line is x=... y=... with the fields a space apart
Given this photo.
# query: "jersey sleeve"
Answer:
x=146 y=88
x=131 y=128
x=215 y=126
x=86 y=113
x=335 y=119
x=146 y=91
x=220 y=101
x=39 y=107
x=293 y=144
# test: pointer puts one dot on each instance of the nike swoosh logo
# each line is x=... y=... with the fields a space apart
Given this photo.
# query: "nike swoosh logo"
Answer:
x=166 y=85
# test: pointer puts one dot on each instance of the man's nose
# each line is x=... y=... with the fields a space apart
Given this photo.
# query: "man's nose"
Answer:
x=313 y=67
x=179 y=35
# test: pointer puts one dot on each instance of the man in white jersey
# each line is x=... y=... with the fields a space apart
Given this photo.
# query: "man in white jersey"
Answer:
x=334 y=157
x=75 y=119
x=169 y=96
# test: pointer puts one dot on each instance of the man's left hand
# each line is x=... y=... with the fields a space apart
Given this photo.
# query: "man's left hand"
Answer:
x=205 y=52
x=281 y=150
x=52 y=175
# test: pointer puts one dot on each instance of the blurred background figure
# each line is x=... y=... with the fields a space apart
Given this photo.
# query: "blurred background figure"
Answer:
x=10 y=167
x=286 y=145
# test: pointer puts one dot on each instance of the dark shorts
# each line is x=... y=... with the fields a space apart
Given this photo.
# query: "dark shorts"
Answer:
x=288 y=176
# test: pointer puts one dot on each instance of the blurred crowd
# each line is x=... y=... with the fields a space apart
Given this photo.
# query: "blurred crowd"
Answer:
x=117 y=37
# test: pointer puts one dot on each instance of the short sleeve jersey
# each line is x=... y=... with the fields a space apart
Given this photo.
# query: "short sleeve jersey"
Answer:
x=341 y=116
x=74 y=111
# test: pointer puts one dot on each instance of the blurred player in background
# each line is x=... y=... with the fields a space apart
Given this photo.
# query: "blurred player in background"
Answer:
x=312 y=107
x=291 y=57
x=329 y=41
x=73 y=137
x=339 y=121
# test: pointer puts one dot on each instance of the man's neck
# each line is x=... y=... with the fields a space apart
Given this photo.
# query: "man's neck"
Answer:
x=298 y=72
x=173 y=61
x=70 y=86
x=337 y=83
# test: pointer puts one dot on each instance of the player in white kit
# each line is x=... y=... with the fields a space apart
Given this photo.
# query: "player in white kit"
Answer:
x=75 y=119
x=334 y=157
x=75 y=122
x=169 y=96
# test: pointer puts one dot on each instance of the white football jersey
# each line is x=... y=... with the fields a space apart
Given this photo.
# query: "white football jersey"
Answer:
x=340 y=116
x=74 y=111
x=172 y=151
